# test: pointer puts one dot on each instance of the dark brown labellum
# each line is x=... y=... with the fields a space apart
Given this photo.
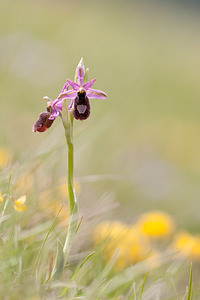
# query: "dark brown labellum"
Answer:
x=81 y=106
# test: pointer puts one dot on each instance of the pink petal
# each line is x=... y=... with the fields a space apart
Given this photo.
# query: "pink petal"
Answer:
x=65 y=87
x=80 y=73
x=68 y=95
x=74 y=85
x=96 y=94
x=89 y=84
x=59 y=105
x=55 y=102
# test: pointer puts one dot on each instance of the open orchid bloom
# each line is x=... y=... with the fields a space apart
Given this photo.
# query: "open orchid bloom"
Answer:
x=79 y=95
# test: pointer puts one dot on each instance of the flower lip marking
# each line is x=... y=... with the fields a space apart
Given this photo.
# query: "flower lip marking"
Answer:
x=81 y=108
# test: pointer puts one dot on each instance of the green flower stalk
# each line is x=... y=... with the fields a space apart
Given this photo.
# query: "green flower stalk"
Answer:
x=79 y=108
x=67 y=119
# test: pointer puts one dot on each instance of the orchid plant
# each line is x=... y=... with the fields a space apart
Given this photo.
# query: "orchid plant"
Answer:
x=79 y=92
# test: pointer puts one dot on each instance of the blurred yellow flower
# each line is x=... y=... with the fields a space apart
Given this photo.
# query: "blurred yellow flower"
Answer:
x=131 y=245
x=5 y=157
x=188 y=245
x=109 y=231
x=63 y=188
x=20 y=203
x=51 y=205
x=54 y=209
x=24 y=182
x=155 y=225
x=1 y=198
x=51 y=201
x=132 y=249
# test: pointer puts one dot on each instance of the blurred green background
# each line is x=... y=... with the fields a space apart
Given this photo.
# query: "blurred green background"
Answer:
x=139 y=150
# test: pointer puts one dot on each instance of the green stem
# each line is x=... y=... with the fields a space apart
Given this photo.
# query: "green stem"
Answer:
x=63 y=253
x=69 y=138
x=73 y=204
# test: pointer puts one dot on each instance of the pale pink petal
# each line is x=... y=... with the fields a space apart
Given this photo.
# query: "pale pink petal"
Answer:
x=80 y=73
x=96 y=94
x=65 y=87
x=59 y=105
x=52 y=117
x=55 y=102
x=68 y=95
x=74 y=85
x=89 y=84
x=55 y=113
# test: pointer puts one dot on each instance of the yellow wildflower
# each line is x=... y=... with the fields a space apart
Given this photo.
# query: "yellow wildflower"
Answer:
x=109 y=231
x=20 y=203
x=55 y=206
x=5 y=157
x=52 y=201
x=188 y=245
x=63 y=188
x=155 y=225
x=1 y=198
x=24 y=182
x=131 y=246
x=51 y=205
x=132 y=249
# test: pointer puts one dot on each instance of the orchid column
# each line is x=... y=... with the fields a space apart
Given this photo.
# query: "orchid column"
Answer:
x=79 y=108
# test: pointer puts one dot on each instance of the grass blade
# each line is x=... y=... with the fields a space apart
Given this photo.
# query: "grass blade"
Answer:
x=190 y=285
x=82 y=264
x=142 y=290
x=44 y=242
x=131 y=295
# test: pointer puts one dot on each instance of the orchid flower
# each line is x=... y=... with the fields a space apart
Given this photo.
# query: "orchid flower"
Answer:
x=79 y=95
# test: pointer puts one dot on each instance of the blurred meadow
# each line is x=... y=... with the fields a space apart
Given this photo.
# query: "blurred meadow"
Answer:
x=137 y=161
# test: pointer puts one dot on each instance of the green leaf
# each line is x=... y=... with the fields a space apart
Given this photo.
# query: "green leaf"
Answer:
x=59 y=265
x=82 y=264
x=142 y=290
x=79 y=224
x=73 y=221
x=190 y=284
